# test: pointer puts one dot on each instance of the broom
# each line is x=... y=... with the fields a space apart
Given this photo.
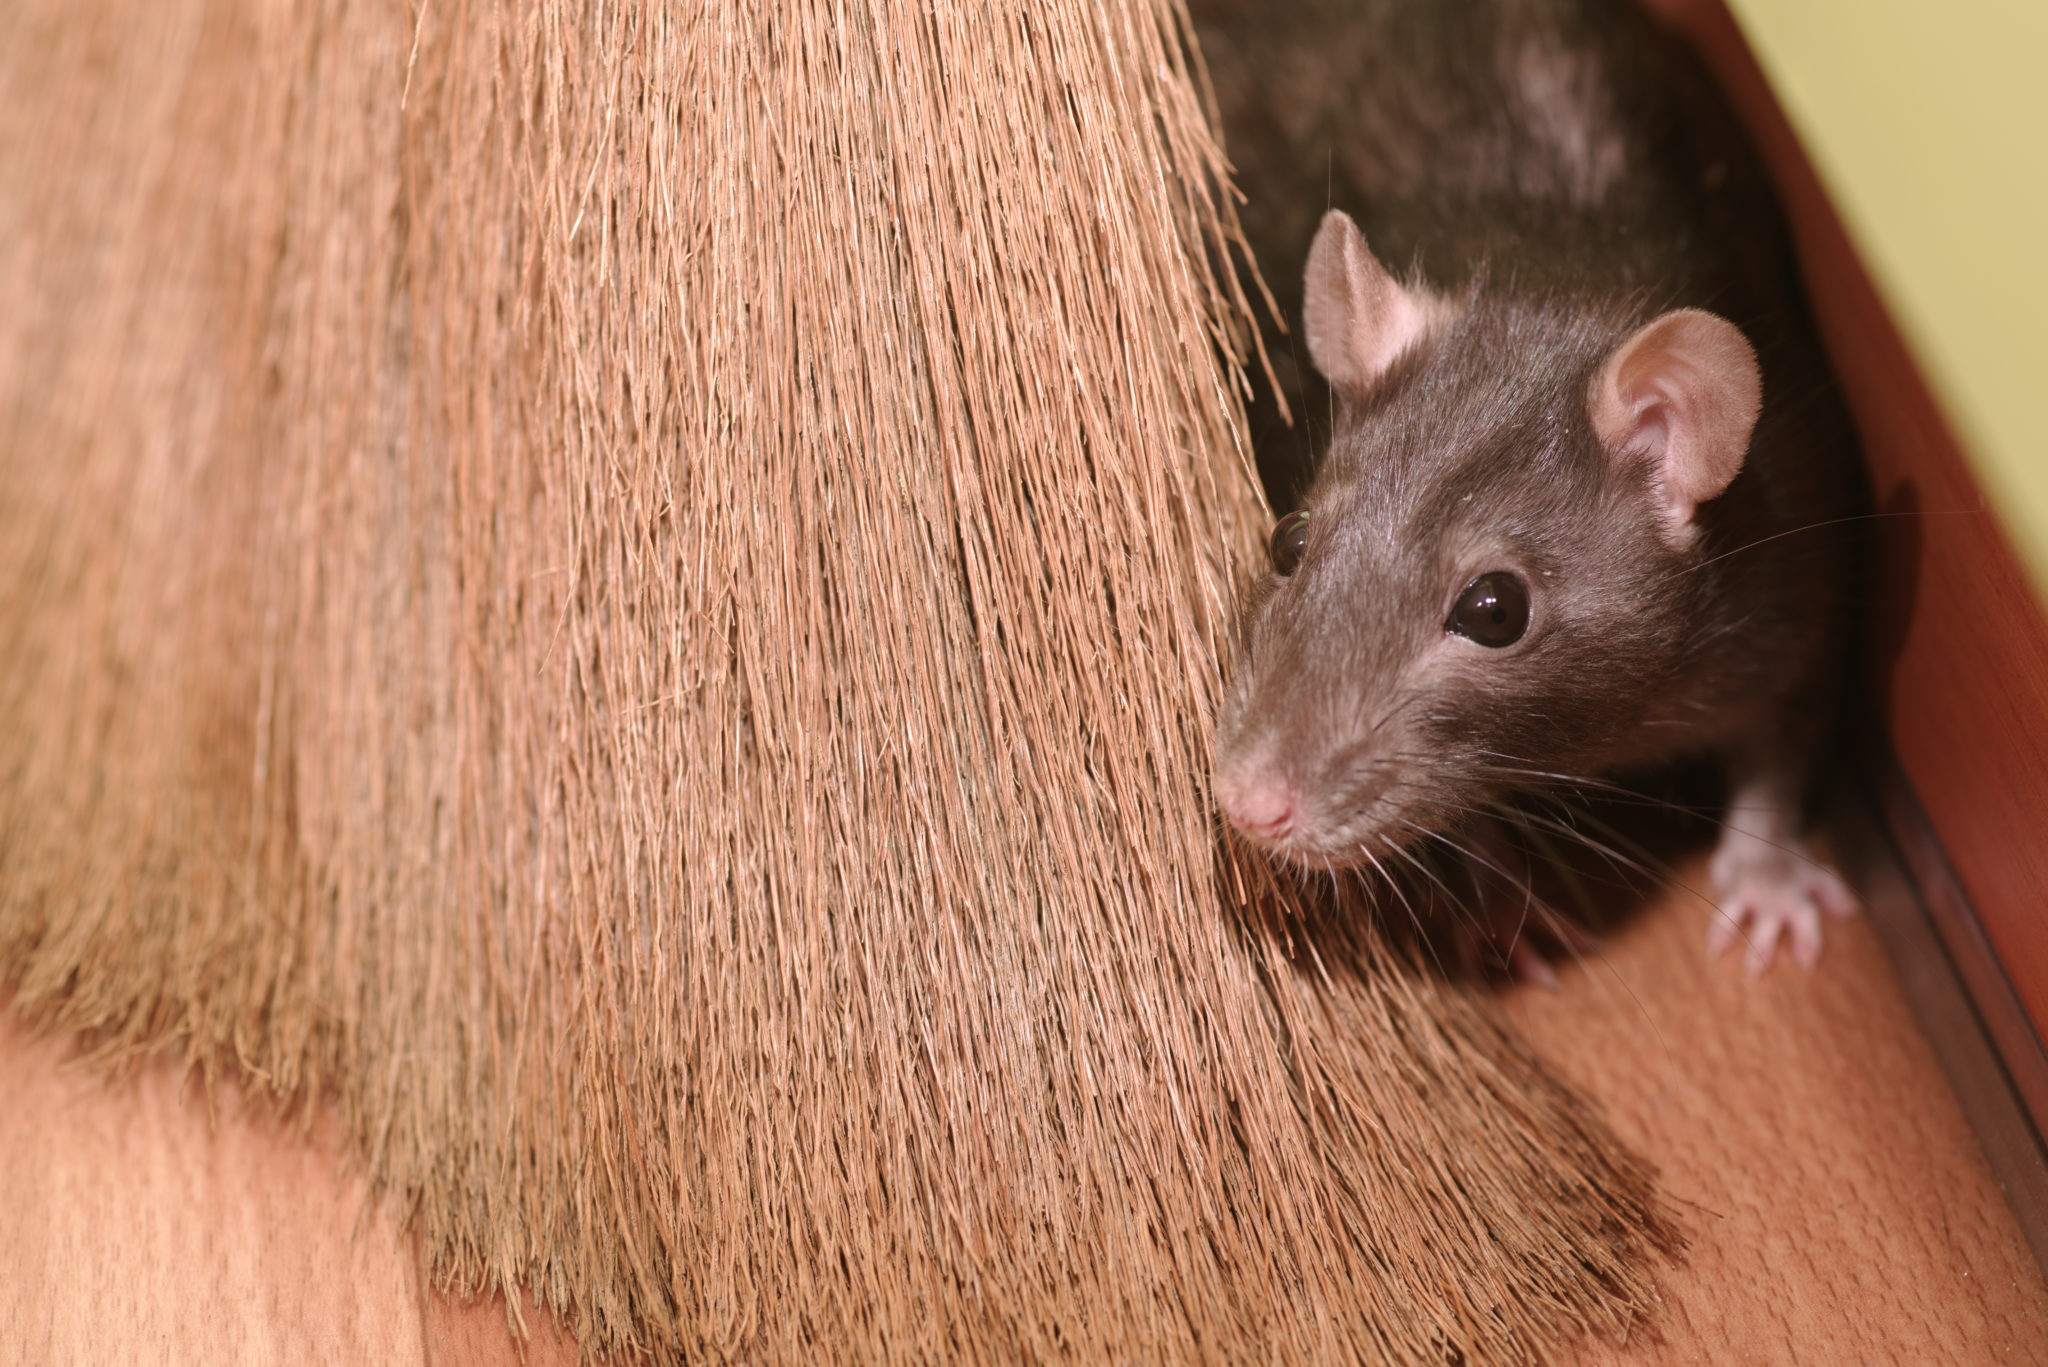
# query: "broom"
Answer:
x=631 y=597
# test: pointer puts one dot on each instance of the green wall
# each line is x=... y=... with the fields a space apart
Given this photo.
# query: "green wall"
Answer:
x=1928 y=122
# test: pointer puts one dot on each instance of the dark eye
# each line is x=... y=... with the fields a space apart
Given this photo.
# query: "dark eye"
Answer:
x=1290 y=538
x=1493 y=610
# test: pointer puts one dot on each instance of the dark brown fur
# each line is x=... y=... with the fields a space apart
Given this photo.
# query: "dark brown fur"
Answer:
x=1476 y=452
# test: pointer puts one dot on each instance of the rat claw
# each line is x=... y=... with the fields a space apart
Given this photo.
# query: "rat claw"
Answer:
x=1804 y=927
x=1773 y=891
x=1763 y=942
x=1530 y=967
x=1722 y=932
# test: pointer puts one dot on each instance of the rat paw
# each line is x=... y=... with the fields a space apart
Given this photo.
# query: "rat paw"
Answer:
x=1769 y=891
x=1519 y=938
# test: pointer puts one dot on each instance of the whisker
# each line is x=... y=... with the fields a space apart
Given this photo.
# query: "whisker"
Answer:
x=1429 y=873
x=1832 y=522
x=1394 y=709
x=1530 y=902
x=1393 y=885
x=1622 y=795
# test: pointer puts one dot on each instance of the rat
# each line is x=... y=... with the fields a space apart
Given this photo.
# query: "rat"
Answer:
x=1585 y=508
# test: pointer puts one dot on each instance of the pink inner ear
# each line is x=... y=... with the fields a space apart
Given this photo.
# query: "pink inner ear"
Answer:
x=1681 y=393
x=1357 y=317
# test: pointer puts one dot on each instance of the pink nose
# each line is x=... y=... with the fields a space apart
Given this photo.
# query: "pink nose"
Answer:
x=1261 y=805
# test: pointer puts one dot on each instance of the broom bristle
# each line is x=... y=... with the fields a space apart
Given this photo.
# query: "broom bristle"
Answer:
x=632 y=595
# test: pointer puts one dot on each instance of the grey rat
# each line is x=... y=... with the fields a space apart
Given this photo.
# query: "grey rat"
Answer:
x=1587 y=501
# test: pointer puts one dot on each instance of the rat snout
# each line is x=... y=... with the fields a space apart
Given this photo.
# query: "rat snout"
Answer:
x=1258 y=799
x=1313 y=813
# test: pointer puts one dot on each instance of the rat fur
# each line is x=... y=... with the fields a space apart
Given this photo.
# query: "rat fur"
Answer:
x=1594 y=373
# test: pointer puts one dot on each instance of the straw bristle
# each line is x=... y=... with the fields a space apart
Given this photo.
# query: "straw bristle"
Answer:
x=633 y=596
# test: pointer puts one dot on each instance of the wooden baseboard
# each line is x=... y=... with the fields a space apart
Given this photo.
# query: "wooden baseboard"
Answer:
x=1953 y=978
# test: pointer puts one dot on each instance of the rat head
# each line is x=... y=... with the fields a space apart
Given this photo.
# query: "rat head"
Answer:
x=1488 y=582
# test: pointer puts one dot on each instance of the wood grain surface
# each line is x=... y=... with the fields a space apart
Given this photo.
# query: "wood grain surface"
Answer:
x=134 y=1227
x=1836 y=1202
x=1838 y=1207
x=142 y=1223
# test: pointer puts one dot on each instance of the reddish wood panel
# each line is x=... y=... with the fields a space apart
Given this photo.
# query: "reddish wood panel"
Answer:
x=1959 y=660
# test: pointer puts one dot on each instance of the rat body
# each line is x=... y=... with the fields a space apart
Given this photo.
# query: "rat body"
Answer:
x=1583 y=507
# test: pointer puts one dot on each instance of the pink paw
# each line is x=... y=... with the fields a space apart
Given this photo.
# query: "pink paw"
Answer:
x=1770 y=890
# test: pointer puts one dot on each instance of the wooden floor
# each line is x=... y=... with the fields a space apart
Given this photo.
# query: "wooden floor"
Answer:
x=1838 y=1207
x=137 y=1228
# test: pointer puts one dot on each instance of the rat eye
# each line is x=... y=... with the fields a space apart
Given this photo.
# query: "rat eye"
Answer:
x=1290 y=538
x=1493 y=610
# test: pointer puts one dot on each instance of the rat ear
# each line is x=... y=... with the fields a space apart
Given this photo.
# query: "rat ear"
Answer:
x=1357 y=317
x=1680 y=394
